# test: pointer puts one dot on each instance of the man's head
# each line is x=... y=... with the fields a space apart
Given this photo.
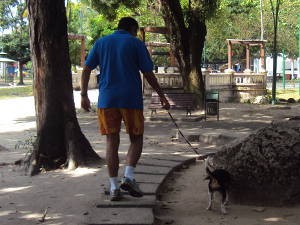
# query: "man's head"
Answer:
x=129 y=24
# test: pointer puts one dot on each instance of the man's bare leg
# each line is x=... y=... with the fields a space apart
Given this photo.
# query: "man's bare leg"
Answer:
x=135 y=149
x=112 y=157
x=133 y=155
x=112 y=160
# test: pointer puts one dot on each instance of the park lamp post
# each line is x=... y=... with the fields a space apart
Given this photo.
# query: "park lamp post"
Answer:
x=299 y=53
x=283 y=69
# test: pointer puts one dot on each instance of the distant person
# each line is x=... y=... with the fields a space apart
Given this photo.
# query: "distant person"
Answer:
x=295 y=76
x=237 y=67
x=120 y=57
x=11 y=71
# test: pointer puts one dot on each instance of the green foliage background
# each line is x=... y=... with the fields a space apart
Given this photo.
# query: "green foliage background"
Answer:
x=96 y=18
x=13 y=19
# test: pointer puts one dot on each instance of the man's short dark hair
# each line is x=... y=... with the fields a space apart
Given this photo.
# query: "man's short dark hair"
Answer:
x=127 y=23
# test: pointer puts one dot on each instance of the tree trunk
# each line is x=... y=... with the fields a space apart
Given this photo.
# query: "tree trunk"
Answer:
x=20 y=73
x=197 y=39
x=187 y=45
x=60 y=141
x=178 y=36
x=275 y=11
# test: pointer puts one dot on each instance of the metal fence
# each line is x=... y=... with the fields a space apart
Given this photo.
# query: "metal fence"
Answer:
x=288 y=84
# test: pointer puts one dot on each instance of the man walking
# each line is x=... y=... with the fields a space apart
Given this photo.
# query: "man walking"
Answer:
x=120 y=57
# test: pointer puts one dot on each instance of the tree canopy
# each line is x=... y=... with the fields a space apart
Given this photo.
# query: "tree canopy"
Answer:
x=96 y=18
x=241 y=19
x=13 y=20
x=234 y=19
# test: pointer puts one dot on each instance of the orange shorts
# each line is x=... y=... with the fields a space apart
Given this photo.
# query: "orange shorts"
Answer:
x=110 y=120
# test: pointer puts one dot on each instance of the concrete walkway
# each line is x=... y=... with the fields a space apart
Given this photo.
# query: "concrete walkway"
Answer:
x=164 y=151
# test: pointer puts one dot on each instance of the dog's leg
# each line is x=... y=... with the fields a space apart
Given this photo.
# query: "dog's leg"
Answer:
x=223 y=202
x=223 y=208
x=210 y=199
x=226 y=199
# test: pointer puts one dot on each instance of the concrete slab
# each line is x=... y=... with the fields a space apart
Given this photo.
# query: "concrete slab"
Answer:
x=147 y=201
x=155 y=170
x=173 y=158
x=150 y=178
x=156 y=162
x=147 y=188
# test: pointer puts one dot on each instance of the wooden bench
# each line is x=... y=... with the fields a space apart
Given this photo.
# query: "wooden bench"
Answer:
x=185 y=101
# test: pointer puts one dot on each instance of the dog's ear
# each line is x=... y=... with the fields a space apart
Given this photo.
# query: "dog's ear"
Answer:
x=207 y=177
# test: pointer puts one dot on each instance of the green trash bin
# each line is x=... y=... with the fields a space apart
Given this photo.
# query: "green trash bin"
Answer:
x=212 y=108
x=212 y=104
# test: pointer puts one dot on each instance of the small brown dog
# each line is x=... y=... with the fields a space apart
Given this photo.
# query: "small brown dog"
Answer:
x=219 y=180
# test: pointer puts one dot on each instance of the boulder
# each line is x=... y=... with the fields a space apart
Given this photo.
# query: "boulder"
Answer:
x=291 y=100
x=260 y=100
x=265 y=166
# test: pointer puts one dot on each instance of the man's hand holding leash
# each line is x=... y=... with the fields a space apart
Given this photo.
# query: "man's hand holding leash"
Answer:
x=150 y=77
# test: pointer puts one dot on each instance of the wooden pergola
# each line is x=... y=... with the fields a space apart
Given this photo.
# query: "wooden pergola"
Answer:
x=82 y=48
x=150 y=45
x=247 y=44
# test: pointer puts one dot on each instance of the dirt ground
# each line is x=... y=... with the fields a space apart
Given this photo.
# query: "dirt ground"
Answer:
x=184 y=201
x=184 y=195
x=24 y=200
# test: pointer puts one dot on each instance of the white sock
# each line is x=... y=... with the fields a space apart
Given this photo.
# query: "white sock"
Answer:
x=114 y=183
x=129 y=172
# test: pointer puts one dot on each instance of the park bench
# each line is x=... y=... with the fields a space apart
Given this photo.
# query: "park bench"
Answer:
x=184 y=101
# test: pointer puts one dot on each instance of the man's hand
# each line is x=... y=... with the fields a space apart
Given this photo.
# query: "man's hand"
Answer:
x=150 y=77
x=85 y=77
x=85 y=103
x=165 y=103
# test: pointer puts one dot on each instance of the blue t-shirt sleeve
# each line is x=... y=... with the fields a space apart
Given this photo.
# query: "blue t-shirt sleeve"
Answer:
x=144 y=59
x=92 y=60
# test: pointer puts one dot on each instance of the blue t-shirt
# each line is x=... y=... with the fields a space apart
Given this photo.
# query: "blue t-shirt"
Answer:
x=11 y=69
x=120 y=56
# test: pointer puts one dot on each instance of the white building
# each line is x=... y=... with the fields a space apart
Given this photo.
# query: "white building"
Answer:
x=292 y=66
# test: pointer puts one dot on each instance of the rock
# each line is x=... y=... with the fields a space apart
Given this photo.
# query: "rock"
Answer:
x=291 y=100
x=295 y=118
x=260 y=100
x=265 y=165
x=282 y=100
x=259 y=209
x=2 y=148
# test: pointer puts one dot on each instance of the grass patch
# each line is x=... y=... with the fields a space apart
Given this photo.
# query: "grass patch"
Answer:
x=21 y=91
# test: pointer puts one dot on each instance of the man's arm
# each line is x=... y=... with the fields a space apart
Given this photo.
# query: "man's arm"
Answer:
x=85 y=77
x=150 y=77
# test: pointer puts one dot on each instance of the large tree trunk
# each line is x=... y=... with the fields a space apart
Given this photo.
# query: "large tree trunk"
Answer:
x=178 y=36
x=20 y=73
x=60 y=141
x=197 y=39
x=187 y=45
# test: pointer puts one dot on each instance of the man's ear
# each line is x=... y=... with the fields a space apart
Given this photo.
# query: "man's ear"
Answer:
x=133 y=30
